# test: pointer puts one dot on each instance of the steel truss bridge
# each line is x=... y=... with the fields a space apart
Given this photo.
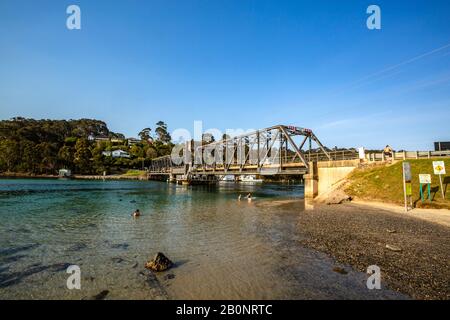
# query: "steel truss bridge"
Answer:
x=278 y=150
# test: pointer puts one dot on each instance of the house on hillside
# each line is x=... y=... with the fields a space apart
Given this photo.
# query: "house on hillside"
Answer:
x=116 y=154
x=133 y=141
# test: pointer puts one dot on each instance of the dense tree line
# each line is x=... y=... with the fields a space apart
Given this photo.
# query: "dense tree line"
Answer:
x=45 y=146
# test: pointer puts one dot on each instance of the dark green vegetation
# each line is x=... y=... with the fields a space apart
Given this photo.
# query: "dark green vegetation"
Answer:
x=45 y=146
x=384 y=183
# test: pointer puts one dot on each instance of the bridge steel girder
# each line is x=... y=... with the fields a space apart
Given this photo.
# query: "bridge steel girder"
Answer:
x=237 y=155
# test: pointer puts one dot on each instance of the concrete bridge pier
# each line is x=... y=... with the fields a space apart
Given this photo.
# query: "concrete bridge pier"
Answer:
x=323 y=176
x=311 y=181
x=172 y=178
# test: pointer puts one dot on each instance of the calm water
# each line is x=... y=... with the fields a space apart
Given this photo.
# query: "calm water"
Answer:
x=222 y=248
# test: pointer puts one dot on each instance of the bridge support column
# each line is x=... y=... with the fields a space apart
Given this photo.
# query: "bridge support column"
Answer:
x=311 y=181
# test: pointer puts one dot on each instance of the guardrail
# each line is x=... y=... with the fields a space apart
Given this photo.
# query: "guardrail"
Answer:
x=404 y=155
x=334 y=155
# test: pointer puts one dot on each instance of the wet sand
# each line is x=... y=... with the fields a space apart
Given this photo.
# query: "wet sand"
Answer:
x=357 y=234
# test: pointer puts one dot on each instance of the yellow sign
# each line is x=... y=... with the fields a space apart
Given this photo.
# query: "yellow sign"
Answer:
x=408 y=188
x=439 y=167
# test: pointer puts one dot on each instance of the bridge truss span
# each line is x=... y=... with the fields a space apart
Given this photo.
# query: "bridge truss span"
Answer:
x=276 y=150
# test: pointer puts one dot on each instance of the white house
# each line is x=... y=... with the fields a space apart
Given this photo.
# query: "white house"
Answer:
x=116 y=154
x=65 y=173
x=133 y=141
x=120 y=154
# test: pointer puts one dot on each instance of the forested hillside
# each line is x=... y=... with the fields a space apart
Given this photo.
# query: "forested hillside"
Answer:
x=44 y=146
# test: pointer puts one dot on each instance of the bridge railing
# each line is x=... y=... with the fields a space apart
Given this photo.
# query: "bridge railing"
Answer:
x=333 y=156
x=405 y=155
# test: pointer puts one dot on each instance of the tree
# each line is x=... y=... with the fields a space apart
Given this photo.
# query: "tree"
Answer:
x=98 y=158
x=66 y=156
x=144 y=134
x=83 y=156
x=151 y=153
x=48 y=156
x=161 y=132
x=137 y=151
x=9 y=154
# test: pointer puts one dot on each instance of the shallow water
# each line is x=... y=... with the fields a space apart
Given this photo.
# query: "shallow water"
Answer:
x=222 y=248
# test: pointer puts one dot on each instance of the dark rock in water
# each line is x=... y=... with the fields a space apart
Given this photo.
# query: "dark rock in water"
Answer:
x=159 y=263
x=117 y=259
x=102 y=295
x=340 y=270
x=133 y=201
x=169 y=276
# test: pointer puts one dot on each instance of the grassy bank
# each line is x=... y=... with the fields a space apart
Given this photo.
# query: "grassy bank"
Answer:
x=135 y=173
x=384 y=183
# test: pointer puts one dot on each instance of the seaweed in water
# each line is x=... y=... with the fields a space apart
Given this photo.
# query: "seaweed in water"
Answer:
x=117 y=260
x=123 y=246
x=12 y=278
x=154 y=284
x=10 y=251
x=10 y=259
x=77 y=247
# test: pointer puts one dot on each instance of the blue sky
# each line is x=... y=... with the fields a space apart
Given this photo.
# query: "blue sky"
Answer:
x=234 y=64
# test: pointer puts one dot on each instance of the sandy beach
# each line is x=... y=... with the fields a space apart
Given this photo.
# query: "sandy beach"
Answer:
x=356 y=234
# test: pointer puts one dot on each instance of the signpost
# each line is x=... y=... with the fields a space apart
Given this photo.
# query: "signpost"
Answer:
x=407 y=189
x=439 y=169
x=425 y=179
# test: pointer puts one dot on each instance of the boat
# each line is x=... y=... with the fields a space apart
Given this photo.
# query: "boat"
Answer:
x=64 y=174
x=250 y=179
x=227 y=178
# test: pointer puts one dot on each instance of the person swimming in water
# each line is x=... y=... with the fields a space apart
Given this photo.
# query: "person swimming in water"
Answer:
x=240 y=196
x=136 y=214
x=249 y=197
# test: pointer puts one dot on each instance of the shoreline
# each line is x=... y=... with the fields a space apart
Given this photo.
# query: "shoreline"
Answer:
x=358 y=235
x=74 y=177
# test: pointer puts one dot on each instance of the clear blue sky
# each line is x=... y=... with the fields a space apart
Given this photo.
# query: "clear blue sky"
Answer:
x=234 y=64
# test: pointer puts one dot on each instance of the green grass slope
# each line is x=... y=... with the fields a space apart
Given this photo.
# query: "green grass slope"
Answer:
x=384 y=183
